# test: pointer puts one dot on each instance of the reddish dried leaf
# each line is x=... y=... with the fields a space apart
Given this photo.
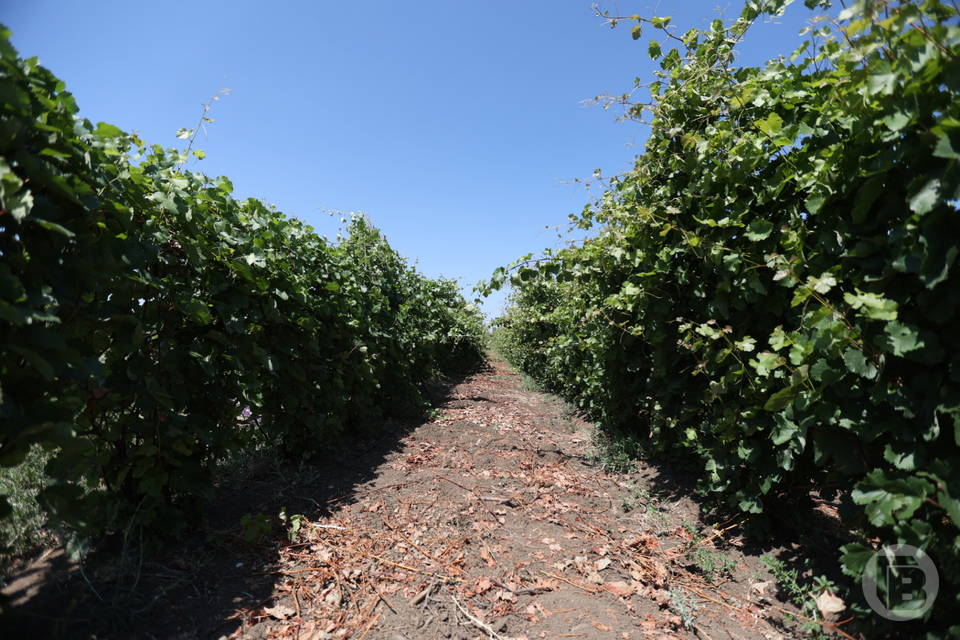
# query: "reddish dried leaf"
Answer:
x=619 y=588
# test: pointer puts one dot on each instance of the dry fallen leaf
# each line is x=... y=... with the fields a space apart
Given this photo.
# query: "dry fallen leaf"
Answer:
x=619 y=588
x=760 y=587
x=280 y=612
x=485 y=555
x=829 y=604
x=333 y=596
x=483 y=585
x=602 y=564
x=508 y=596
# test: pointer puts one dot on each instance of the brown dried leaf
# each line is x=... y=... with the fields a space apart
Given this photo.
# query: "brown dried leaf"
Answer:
x=280 y=611
x=485 y=555
x=508 y=596
x=619 y=588
x=483 y=585
x=829 y=604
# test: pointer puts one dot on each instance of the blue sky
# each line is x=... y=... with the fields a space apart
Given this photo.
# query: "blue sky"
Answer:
x=457 y=127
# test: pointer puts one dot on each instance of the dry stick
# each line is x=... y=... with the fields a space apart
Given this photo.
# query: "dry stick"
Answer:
x=406 y=568
x=572 y=584
x=353 y=494
x=475 y=495
x=596 y=530
x=420 y=597
x=296 y=601
x=719 y=532
x=383 y=597
x=370 y=624
x=478 y=622
x=702 y=632
x=408 y=541
x=345 y=593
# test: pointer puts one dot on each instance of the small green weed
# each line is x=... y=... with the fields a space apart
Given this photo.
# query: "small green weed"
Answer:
x=616 y=454
x=638 y=497
x=712 y=564
x=801 y=591
x=255 y=526
x=682 y=604
x=527 y=383
x=691 y=529
x=292 y=523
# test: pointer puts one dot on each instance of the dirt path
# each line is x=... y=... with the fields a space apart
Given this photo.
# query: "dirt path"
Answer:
x=496 y=520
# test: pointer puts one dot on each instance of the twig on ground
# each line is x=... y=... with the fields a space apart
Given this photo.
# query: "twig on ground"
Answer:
x=370 y=624
x=406 y=568
x=383 y=597
x=296 y=601
x=475 y=495
x=409 y=541
x=572 y=584
x=420 y=597
x=478 y=622
x=702 y=632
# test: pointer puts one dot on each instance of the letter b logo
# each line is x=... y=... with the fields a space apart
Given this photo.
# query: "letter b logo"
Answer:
x=900 y=582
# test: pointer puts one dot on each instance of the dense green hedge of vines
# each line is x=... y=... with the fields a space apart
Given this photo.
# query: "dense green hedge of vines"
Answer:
x=151 y=324
x=774 y=288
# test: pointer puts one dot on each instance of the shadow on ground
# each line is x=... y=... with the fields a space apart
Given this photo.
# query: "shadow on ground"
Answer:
x=787 y=549
x=205 y=585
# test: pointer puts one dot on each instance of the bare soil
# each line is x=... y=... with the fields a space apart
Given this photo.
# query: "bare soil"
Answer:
x=494 y=520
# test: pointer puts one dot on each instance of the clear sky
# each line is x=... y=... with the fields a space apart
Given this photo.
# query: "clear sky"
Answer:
x=457 y=127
